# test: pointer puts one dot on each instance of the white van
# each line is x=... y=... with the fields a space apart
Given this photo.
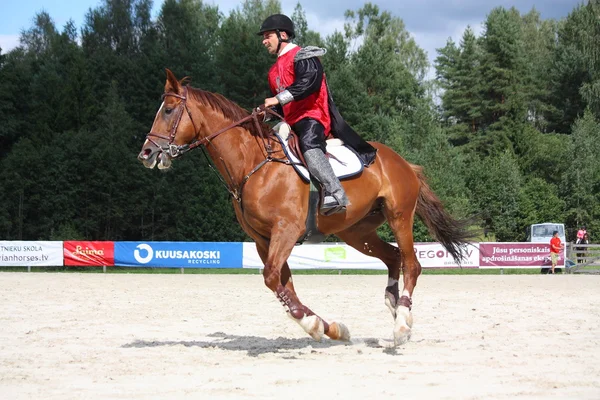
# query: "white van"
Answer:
x=542 y=233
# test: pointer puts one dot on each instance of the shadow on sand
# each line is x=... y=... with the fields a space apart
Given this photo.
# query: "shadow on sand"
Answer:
x=255 y=345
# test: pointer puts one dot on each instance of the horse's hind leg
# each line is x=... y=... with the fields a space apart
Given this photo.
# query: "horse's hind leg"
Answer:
x=363 y=237
x=279 y=280
x=401 y=224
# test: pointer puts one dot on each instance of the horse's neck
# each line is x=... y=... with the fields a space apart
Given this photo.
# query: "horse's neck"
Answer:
x=238 y=149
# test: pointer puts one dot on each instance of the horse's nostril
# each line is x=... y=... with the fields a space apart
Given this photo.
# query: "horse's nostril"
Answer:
x=145 y=154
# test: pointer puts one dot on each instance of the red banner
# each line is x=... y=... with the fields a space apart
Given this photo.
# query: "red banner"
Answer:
x=91 y=254
x=494 y=255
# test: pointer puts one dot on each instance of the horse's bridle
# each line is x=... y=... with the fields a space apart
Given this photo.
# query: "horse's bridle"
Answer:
x=175 y=150
x=172 y=149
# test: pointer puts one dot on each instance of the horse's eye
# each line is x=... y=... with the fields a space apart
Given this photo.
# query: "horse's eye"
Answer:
x=168 y=111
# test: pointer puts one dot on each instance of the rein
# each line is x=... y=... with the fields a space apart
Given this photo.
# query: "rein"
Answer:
x=174 y=150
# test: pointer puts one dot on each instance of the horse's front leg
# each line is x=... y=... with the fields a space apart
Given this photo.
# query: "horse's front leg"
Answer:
x=278 y=278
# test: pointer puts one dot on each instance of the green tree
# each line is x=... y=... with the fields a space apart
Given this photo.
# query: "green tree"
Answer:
x=189 y=36
x=581 y=183
x=574 y=74
x=459 y=74
x=543 y=155
x=243 y=61
x=539 y=39
x=495 y=191
x=381 y=80
x=539 y=201
x=503 y=68
x=304 y=36
x=9 y=107
x=337 y=52
x=112 y=38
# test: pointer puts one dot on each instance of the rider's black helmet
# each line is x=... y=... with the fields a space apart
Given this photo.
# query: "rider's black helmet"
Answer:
x=277 y=22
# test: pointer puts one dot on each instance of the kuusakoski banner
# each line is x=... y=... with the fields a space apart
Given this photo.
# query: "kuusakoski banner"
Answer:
x=179 y=254
x=89 y=254
x=521 y=255
x=15 y=253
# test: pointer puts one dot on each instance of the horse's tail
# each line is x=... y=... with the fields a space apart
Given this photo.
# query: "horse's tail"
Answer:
x=453 y=234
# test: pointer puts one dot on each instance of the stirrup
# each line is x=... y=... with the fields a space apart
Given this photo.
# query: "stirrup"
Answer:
x=330 y=205
x=335 y=210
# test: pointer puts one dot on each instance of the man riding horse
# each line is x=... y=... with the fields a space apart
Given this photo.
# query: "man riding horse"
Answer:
x=304 y=99
x=270 y=199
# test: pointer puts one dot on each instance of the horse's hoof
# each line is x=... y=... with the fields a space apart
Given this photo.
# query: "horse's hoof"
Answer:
x=338 y=331
x=403 y=325
x=401 y=334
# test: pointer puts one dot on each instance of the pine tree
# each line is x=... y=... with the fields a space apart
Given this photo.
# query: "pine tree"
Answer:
x=539 y=44
x=581 y=183
x=459 y=74
x=503 y=68
x=304 y=36
x=495 y=192
x=242 y=59
x=574 y=73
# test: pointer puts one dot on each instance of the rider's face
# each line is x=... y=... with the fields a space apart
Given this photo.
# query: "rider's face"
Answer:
x=270 y=41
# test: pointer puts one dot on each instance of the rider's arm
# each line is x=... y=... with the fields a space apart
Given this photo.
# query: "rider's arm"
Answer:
x=308 y=79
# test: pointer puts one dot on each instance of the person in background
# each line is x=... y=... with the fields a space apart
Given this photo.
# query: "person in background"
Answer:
x=555 y=247
x=581 y=251
x=580 y=234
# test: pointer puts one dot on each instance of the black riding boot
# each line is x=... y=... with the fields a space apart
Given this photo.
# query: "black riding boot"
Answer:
x=334 y=197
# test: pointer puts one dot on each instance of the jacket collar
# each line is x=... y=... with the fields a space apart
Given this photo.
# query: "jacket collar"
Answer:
x=287 y=48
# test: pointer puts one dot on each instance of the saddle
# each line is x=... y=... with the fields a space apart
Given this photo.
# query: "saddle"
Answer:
x=343 y=159
x=345 y=163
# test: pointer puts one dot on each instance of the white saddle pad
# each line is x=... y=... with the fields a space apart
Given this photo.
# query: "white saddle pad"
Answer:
x=343 y=159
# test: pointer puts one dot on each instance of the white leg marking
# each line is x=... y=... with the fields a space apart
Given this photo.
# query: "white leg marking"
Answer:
x=311 y=325
x=402 y=328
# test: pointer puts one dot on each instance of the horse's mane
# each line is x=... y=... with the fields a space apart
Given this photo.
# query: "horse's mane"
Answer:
x=228 y=108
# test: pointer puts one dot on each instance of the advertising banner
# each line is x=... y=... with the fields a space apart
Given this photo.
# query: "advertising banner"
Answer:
x=14 y=253
x=434 y=255
x=318 y=256
x=521 y=255
x=179 y=254
x=342 y=256
x=89 y=254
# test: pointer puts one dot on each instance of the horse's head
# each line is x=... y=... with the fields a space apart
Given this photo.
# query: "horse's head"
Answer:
x=173 y=128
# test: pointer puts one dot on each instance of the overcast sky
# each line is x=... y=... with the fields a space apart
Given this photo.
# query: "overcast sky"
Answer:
x=431 y=22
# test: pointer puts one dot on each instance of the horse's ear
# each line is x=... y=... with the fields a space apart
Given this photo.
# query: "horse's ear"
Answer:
x=172 y=85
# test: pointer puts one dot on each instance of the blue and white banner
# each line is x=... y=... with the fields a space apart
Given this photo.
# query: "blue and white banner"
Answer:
x=179 y=254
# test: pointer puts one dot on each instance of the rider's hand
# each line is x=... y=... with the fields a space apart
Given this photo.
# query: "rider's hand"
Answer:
x=271 y=101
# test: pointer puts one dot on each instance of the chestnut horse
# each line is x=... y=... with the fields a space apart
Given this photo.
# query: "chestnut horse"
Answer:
x=271 y=200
